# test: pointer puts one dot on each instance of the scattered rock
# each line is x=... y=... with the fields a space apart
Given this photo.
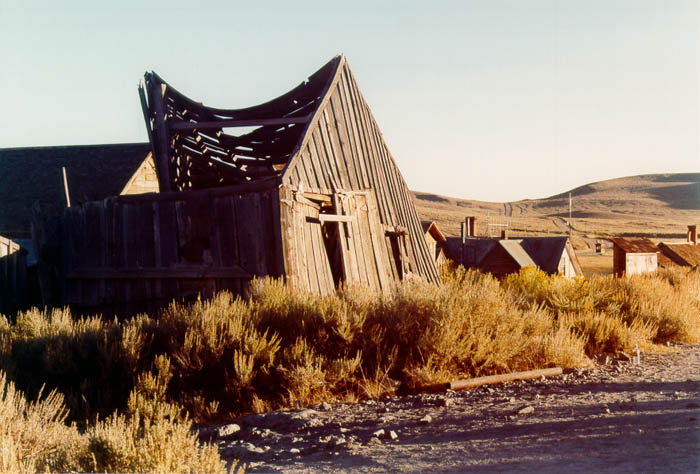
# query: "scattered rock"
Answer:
x=227 y=430
x=299 y=419
x=379 y=433
x=392 y=435
x=295 y=451
x=625 y=357
x=244 y=449
x=426 y=420
x=332 y=440
x=326 y=406
x=444 y=402
x=526 y=410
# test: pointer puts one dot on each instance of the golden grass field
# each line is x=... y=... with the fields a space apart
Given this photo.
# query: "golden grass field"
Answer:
x=658 y=206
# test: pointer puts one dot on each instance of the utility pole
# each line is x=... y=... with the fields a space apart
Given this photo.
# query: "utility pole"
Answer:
x=569 y=208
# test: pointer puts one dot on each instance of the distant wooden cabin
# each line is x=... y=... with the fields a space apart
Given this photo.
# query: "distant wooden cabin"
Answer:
x=434 y=238
x=308 y=191
x=635 y=256
x=500 y=257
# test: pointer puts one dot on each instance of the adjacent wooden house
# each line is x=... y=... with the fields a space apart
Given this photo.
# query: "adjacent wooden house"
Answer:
x=684 y=254
x=435 y=238
x=301 y=187
x=500 y=257
x=34 y=175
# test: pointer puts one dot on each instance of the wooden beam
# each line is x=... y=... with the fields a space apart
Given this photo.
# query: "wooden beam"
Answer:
x=238 y=123
x=488 y=380
x=315 y=196
x=158 y=273
x=492 y=379
x=162 y=160
x=65 y=186
x=330 y=218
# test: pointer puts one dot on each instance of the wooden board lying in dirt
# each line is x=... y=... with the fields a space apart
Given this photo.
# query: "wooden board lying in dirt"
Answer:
x=618 y=418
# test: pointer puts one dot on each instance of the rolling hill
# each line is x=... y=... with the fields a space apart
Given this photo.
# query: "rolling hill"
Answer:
x=655 y=205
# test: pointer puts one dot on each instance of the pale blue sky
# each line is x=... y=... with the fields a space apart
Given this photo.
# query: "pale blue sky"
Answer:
x=492 y=100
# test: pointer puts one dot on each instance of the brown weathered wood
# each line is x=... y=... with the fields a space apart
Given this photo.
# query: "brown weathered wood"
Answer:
x=334 y=218
x=163 y=158
x=325 y=98
x=493 y=379
x=136 y=274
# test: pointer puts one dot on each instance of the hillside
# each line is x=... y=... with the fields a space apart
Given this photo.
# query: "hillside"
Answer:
x=657 y=206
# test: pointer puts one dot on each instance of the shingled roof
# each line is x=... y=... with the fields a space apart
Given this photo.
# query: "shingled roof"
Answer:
x=547 y=252
x=635 y=245
x=684 y=254
x=34 y=174
x=543 y=252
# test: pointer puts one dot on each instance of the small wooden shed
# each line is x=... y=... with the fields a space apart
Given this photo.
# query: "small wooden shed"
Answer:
x=306 y=190
x=634 y=256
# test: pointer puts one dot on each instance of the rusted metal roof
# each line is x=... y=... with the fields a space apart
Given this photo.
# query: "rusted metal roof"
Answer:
x=635 y=245
x=685 y=254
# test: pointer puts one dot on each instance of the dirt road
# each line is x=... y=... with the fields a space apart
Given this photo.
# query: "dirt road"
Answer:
x=619 y=418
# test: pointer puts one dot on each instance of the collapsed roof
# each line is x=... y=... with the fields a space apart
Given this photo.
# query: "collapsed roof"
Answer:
x=196 y=146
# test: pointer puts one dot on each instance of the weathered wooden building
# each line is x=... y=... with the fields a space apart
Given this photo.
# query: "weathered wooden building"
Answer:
x=684 y=254
x=634 y=256
x=306 y=190
x=500 y=257
x=31 y=175
x=435 y=238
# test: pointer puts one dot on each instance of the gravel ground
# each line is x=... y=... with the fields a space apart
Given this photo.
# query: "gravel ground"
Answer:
x=618 y=418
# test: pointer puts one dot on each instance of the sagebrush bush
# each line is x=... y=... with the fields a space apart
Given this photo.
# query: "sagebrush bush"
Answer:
x=287 y=348
x=652 y=308
x=152 y=436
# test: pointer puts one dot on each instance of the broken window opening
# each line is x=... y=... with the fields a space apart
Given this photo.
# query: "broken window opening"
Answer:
x=397 y=240
x=331 y=239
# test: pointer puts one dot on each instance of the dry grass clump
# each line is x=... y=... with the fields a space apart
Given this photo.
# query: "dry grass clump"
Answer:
x=35 y=438
x=285 y=348
x=33 y=435
x=469 y=326
x=79 y=357
x=614 y=314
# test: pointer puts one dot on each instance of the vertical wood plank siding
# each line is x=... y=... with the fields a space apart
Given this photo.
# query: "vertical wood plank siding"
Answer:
x=346 y=151
x=134 y=253
x=13 y=277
